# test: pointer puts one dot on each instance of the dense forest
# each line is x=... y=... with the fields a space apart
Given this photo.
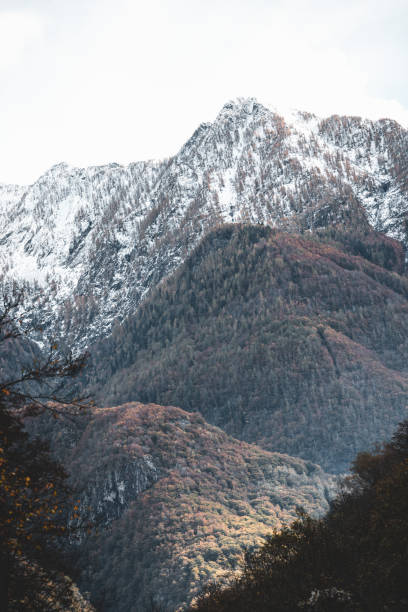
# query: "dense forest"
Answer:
x=294 y=343
x=303 y=340
x=354 y=559
x=176 y=501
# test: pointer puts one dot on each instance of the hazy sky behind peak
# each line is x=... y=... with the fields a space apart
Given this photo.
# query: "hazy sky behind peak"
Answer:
x=94 y=81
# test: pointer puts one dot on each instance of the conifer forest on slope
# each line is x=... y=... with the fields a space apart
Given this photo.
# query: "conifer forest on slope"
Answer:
x=281 y=338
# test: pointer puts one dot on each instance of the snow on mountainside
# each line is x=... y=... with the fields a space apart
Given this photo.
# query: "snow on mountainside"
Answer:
x=87 y=244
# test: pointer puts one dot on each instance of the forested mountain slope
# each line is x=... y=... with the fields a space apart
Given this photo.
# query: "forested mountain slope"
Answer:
x=291 y=342
x=354 y=559
x=88 y=243
x=175 y=500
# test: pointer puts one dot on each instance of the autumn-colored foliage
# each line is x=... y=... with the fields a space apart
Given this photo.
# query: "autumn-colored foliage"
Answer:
x=35 y=502
x=352 y=560
x=296 y=343
x=202 y=499
x=32 y=517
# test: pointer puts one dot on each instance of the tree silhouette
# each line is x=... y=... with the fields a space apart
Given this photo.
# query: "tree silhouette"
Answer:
x=35 y=502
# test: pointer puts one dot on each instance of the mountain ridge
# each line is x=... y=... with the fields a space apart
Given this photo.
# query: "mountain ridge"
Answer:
x=87 y=245
x=244 y=277
x=302 y=340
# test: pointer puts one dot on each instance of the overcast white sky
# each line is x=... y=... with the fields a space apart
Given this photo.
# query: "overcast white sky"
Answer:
x=94 y=81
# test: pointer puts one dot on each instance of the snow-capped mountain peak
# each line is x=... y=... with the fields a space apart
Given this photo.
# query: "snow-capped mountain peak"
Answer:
x=88 y=243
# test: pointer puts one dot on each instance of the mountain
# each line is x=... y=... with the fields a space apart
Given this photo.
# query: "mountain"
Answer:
x=175 y=500
x=295 y=343
x=245 y=278
x=88 y=244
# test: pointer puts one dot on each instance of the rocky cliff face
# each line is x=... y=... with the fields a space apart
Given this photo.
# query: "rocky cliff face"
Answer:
x=88 y=244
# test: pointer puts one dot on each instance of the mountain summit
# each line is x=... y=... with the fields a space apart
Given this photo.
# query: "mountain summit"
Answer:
x=88 y=244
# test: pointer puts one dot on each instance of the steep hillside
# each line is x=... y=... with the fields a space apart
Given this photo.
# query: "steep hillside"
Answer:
x=352 y=560
x=176 y=501
x=88 y=244
x=281 y=340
